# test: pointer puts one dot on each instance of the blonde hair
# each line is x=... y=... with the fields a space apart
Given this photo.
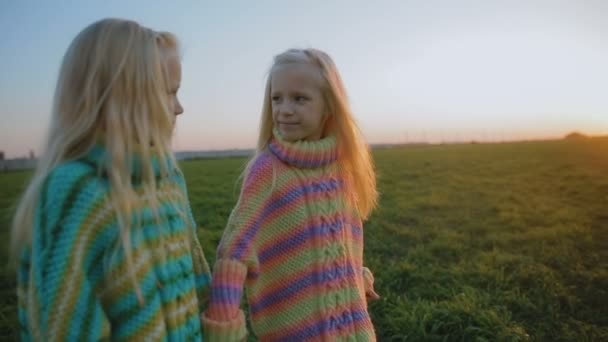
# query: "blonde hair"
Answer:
x=112 y=88
x=355 y=162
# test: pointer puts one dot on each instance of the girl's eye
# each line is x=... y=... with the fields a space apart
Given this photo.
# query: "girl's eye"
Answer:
x=301 y=98
x=275 y=98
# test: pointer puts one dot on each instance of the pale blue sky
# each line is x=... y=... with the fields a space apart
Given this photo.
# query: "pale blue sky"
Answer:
x=434 y=70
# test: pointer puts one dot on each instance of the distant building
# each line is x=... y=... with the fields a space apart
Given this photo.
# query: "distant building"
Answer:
x=17 y=164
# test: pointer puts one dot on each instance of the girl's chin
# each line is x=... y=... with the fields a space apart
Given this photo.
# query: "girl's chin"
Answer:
x=289 y=135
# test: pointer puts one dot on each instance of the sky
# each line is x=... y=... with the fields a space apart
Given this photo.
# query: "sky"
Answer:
x=424 y=70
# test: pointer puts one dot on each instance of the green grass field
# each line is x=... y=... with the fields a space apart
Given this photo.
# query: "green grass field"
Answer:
x=476 y=242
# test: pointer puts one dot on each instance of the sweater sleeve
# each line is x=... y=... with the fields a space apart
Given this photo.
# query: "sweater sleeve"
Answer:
x=236 y=257
x=201 y=271
x=61 y=273
x=366 y=273
x=201 y=267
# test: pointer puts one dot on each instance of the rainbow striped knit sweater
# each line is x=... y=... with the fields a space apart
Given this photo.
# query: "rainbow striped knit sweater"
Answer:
x=74 y=286
x=296 y=247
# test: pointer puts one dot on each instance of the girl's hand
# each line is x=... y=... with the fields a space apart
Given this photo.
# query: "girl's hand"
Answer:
x=372 y=295
x=368 y=278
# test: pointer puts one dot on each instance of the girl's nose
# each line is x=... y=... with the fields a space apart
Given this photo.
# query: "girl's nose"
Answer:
x=286 y=108
x=179 y=109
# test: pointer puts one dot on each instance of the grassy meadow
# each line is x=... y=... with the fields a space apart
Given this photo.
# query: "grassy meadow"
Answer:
x=472 y=242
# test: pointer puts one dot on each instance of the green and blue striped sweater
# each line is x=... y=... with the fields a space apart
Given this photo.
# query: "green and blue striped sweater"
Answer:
x=72 y=281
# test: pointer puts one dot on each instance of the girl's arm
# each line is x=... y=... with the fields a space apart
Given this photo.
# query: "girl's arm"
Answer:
x=64 y=274
x=237 y=259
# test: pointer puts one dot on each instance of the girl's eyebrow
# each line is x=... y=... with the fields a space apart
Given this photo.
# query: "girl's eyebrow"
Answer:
x=300 y=93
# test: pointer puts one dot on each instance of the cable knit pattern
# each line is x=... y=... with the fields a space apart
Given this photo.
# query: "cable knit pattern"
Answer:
x=296 y=246
x=74 y=286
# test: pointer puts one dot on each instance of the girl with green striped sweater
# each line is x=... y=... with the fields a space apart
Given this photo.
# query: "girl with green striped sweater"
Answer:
x=103 y=239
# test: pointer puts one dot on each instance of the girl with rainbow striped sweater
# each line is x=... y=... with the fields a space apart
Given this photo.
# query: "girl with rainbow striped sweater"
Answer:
x=104 y=239
x=294 y=241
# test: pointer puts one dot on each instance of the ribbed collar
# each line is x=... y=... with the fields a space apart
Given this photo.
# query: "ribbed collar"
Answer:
x=302 y=153
x=98 y=158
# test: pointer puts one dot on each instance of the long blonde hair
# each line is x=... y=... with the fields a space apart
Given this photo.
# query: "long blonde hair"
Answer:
x=112 y=88
x=355 y=160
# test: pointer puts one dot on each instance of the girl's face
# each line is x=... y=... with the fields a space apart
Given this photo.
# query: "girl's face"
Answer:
x=298 y=109
x=174 y=75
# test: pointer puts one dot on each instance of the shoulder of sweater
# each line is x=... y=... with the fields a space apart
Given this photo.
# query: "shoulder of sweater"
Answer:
x=261 y=169
x=72 y=196
x=261 y=175
x=262 y=162
x=71 y=181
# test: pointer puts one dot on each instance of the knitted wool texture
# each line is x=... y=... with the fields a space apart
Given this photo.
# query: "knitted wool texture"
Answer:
x=73 y=284
x=295 y=244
